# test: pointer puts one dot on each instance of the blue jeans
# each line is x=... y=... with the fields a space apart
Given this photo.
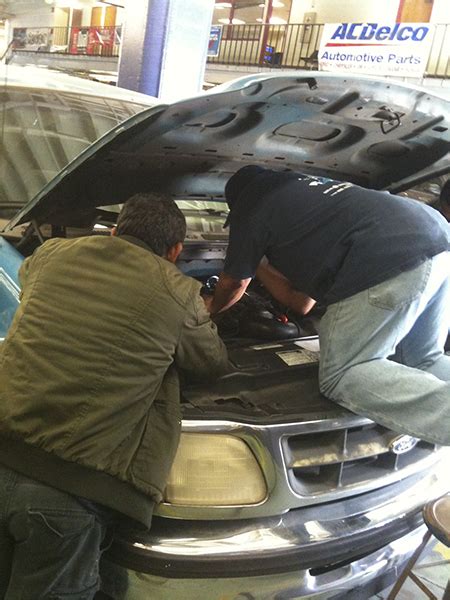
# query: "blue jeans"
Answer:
x=50 y=541
x=382 y=352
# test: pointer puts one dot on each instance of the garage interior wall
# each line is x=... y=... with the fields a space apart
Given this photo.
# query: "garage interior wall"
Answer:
x=330 y=11
x=2 y=39
x=61 y=17
x=415 y=11
x=441 y=12
x=29 y=13
x=37 y=13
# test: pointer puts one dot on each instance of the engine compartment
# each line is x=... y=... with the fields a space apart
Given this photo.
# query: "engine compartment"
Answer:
x=259 y=317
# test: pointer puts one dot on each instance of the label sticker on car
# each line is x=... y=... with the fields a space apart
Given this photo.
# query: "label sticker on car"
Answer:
x=298 y=357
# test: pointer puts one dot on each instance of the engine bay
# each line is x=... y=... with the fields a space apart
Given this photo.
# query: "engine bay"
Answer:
x=259 y=317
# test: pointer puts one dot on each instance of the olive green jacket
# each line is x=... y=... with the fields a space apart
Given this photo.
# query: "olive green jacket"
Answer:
x=89 y=389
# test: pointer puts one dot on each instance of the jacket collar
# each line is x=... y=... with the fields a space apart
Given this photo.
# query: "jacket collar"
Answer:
x=136 y=241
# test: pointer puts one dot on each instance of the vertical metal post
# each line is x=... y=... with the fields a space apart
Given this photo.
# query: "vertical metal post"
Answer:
x=164 y=47
x=400 y=11
x=265 y=34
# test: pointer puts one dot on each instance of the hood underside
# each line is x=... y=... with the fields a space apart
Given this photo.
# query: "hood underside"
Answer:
x=373 y=132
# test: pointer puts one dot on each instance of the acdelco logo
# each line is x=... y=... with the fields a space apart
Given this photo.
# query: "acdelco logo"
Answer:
x=373 y=31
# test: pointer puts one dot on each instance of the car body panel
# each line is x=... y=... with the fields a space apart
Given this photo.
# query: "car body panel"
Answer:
x=342 y=509
x=301 y=538
x=321 y=552
x=41 y=78
x=361 y=578
x=375 y=133
x=47 y=119
x=10 y=261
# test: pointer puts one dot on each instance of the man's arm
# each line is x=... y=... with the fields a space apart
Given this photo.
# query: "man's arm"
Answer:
x=200 y=352
x=282 y=290
x=23 y=274
x=247 y=244
x=228 y=291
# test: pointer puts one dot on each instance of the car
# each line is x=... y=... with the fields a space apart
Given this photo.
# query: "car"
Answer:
x=276 y=492
x=47 y=119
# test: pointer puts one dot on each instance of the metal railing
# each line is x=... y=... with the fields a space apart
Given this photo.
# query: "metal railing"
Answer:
x=6 y=56
x=88 y=41
x=290 y=46
x=296 y=46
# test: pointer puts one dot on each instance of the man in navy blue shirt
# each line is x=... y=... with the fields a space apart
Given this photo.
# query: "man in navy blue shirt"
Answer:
x=381 y=266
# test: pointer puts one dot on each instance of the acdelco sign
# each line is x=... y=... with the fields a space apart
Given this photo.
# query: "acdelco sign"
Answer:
x=376 y=48
x=372 y=31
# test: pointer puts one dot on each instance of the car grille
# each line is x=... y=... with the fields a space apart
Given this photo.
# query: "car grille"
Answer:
x=349 y=458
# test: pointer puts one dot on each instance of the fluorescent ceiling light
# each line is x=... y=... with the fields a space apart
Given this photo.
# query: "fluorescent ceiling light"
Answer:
x=221 y=5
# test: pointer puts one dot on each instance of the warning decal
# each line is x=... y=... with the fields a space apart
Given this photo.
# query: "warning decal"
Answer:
x=299 y=357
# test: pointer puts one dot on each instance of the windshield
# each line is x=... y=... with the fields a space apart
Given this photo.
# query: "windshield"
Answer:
x=42 y=130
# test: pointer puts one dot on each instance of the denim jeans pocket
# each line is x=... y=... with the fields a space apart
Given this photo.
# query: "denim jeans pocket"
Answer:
x=48 y=524
x=401 y=289
x=59 y=550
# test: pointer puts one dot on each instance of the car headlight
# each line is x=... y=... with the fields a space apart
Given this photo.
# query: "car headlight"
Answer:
x=215 y=470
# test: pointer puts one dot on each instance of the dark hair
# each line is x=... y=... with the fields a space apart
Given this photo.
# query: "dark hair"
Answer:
x=445 y=194
x=153 y=218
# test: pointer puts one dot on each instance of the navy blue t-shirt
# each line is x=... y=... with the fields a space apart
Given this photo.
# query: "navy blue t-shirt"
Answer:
x=330 y=239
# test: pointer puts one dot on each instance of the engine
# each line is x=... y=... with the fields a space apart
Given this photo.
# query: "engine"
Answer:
x=258 y=316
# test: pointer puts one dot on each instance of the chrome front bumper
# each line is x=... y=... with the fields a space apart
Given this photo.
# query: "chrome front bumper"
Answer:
x=306 y=538
x=320 y=551
x=356 y=581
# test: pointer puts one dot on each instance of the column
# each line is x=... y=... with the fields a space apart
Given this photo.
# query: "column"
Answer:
x=164 y=47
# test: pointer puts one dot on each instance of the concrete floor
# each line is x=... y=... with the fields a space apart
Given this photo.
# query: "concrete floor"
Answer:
x=434 y=577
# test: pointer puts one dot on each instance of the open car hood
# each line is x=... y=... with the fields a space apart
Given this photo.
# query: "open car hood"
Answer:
x=373 y=132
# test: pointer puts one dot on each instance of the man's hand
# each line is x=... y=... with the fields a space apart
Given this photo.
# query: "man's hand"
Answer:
x=282 y=290
x=227 y=292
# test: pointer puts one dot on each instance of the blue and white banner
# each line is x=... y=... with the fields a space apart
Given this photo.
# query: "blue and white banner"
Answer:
x=215 y=35
x=400 y=49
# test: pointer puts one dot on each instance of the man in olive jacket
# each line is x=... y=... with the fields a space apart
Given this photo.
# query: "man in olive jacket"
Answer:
x=89 y=394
